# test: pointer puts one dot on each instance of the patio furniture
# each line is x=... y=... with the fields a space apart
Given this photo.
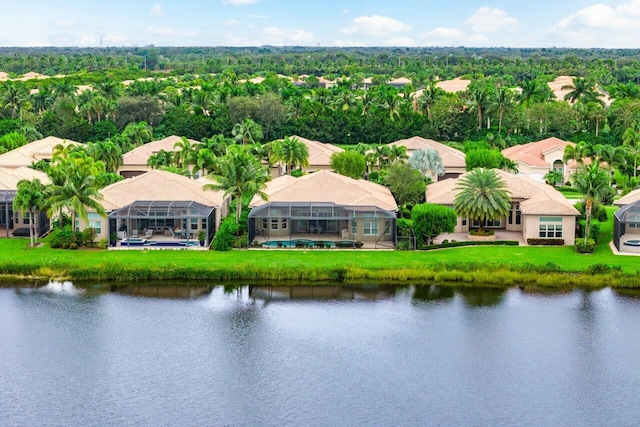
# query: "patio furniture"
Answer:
x=134 y=233
x=149 y=233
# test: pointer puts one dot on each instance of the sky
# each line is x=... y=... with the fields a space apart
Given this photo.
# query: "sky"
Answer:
x=471 y=23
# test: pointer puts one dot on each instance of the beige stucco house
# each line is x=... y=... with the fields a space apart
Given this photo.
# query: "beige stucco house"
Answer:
x=453 y=160
x=33 y=152
x=538 y=210
x=626 y=223
x=319 y=156
x=13 y=223
x=159 y=205
x=324 y=206
x=134 y=162
x=536 y=159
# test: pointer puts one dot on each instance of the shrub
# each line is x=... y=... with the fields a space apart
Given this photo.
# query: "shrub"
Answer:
x=404 y=227
x=103 y=243
x=455 y=244
x=545 y=242
x=225 y=236
x=429 y=221
x=594 y=232
x=587 y=247
x=297 y=173
x=404 y=245
x=484 y=233
x=603 y=269
x=602 y=214
x=63 y=238
x=73 y=246
x=88 y=236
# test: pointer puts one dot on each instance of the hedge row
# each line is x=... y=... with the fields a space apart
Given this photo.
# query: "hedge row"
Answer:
x=471 y=243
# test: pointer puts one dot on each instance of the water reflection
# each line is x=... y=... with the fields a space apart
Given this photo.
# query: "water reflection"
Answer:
x=163 y=291
x=361 y=292
x=433 y=293
x=482 y=297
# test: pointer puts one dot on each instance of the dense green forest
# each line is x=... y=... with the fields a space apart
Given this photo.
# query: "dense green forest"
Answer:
x=199 y=92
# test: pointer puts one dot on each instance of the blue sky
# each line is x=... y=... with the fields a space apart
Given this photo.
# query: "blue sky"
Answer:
x=478 y=23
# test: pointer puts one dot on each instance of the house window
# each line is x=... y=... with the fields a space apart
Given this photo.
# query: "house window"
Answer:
x=194 y=223
x=25 y=219
x=464 y=222
x=265 y=223
x=489 y=223
x=633 y=221
x=370 y=228
x=518 y=216
x=550 y=227
x=274 y=224
x=285 y=223
x=387 y=227
x=354 y=227
x=95 y=222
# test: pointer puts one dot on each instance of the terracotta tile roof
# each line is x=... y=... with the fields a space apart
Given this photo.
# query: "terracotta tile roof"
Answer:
x=10 y=177
x=454 y=85
x=157 y=185
x=631 y=197
x=532 y=154
x=330 y=187
x=535 y=197
x=139 y=156
x=451 y=158
x=33 y=152
x=319 y=152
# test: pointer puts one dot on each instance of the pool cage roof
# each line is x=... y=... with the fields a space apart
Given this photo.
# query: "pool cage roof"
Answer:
x=163 y=209
x=629 y=213
x=316 y=210
x=7 y=196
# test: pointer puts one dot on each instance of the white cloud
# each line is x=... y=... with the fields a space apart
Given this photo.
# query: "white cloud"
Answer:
x=240 y=2
x=376 y=25
x=231 y=23
x=487 y=20
x=166 y=31
x=278 y=36
x=599 y=25
x=156 y=9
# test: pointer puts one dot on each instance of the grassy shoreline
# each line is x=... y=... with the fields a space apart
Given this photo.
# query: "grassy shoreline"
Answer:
x=549 y=267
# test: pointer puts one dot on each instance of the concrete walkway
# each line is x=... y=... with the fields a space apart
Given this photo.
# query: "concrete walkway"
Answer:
x=500 y=235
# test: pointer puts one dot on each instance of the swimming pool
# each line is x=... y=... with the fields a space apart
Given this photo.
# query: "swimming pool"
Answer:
x=299 y=243
x=632 y=243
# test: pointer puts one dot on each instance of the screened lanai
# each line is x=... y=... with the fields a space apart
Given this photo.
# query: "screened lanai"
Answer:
x=163 y=220
x=13 y=223
x=322 y=221
x=626 y=228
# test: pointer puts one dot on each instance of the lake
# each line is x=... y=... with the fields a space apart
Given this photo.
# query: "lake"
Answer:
x=361 y=355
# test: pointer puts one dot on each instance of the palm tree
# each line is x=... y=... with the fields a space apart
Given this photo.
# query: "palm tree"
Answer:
x=503 y=101
x=28 y=200
x=613 y=156
x=581 y=89
x=397 y=154
x=577 y=152
x=430 y=95
x=108 y=152
x=247 y=132
x=138 y=133
x=631 y=139
x=482 y=196
x=592 y=182
x=478 y=102
x=239 y=174
x=292 y=152
x=184 y=151
x=79 y=188
x=14 y=97
x=428 y=162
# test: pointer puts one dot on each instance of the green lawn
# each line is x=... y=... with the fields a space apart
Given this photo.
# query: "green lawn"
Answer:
x=299 y=264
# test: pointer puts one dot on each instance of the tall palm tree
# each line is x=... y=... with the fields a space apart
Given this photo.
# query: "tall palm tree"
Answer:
x=631 y=140
x=13 y=96
x=578 y=152
x=482 y=196
x=184 y=151
x=478 y=102
x=428 y=162
x=430 y=95
x=397 y=154
x=292 y=152
x=247 y=132
x=108 y=152
x=592 y=182
x=138 y=133
x=504 y=100
x=28 y=200
x=79 y=190
x=581 y=89
x=239 y=174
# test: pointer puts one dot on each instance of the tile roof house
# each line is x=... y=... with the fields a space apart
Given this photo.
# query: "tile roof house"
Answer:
x=453 y=160
x=324 y=205
x=32 y=152
x=319 y=156
x=536 y=159
x=631 y=197
x=13 y=223
x=538 y=210
x=158 y=203
x=134 y=162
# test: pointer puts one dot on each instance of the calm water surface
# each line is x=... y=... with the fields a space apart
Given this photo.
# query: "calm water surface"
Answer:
x=317 y=356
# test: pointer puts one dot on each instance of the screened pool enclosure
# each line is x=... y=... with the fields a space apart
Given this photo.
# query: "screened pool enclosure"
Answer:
x=286 y=221
x=626 y=228
x=163 y=219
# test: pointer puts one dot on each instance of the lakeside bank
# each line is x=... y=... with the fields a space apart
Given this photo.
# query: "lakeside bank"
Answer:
x=558 y=267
